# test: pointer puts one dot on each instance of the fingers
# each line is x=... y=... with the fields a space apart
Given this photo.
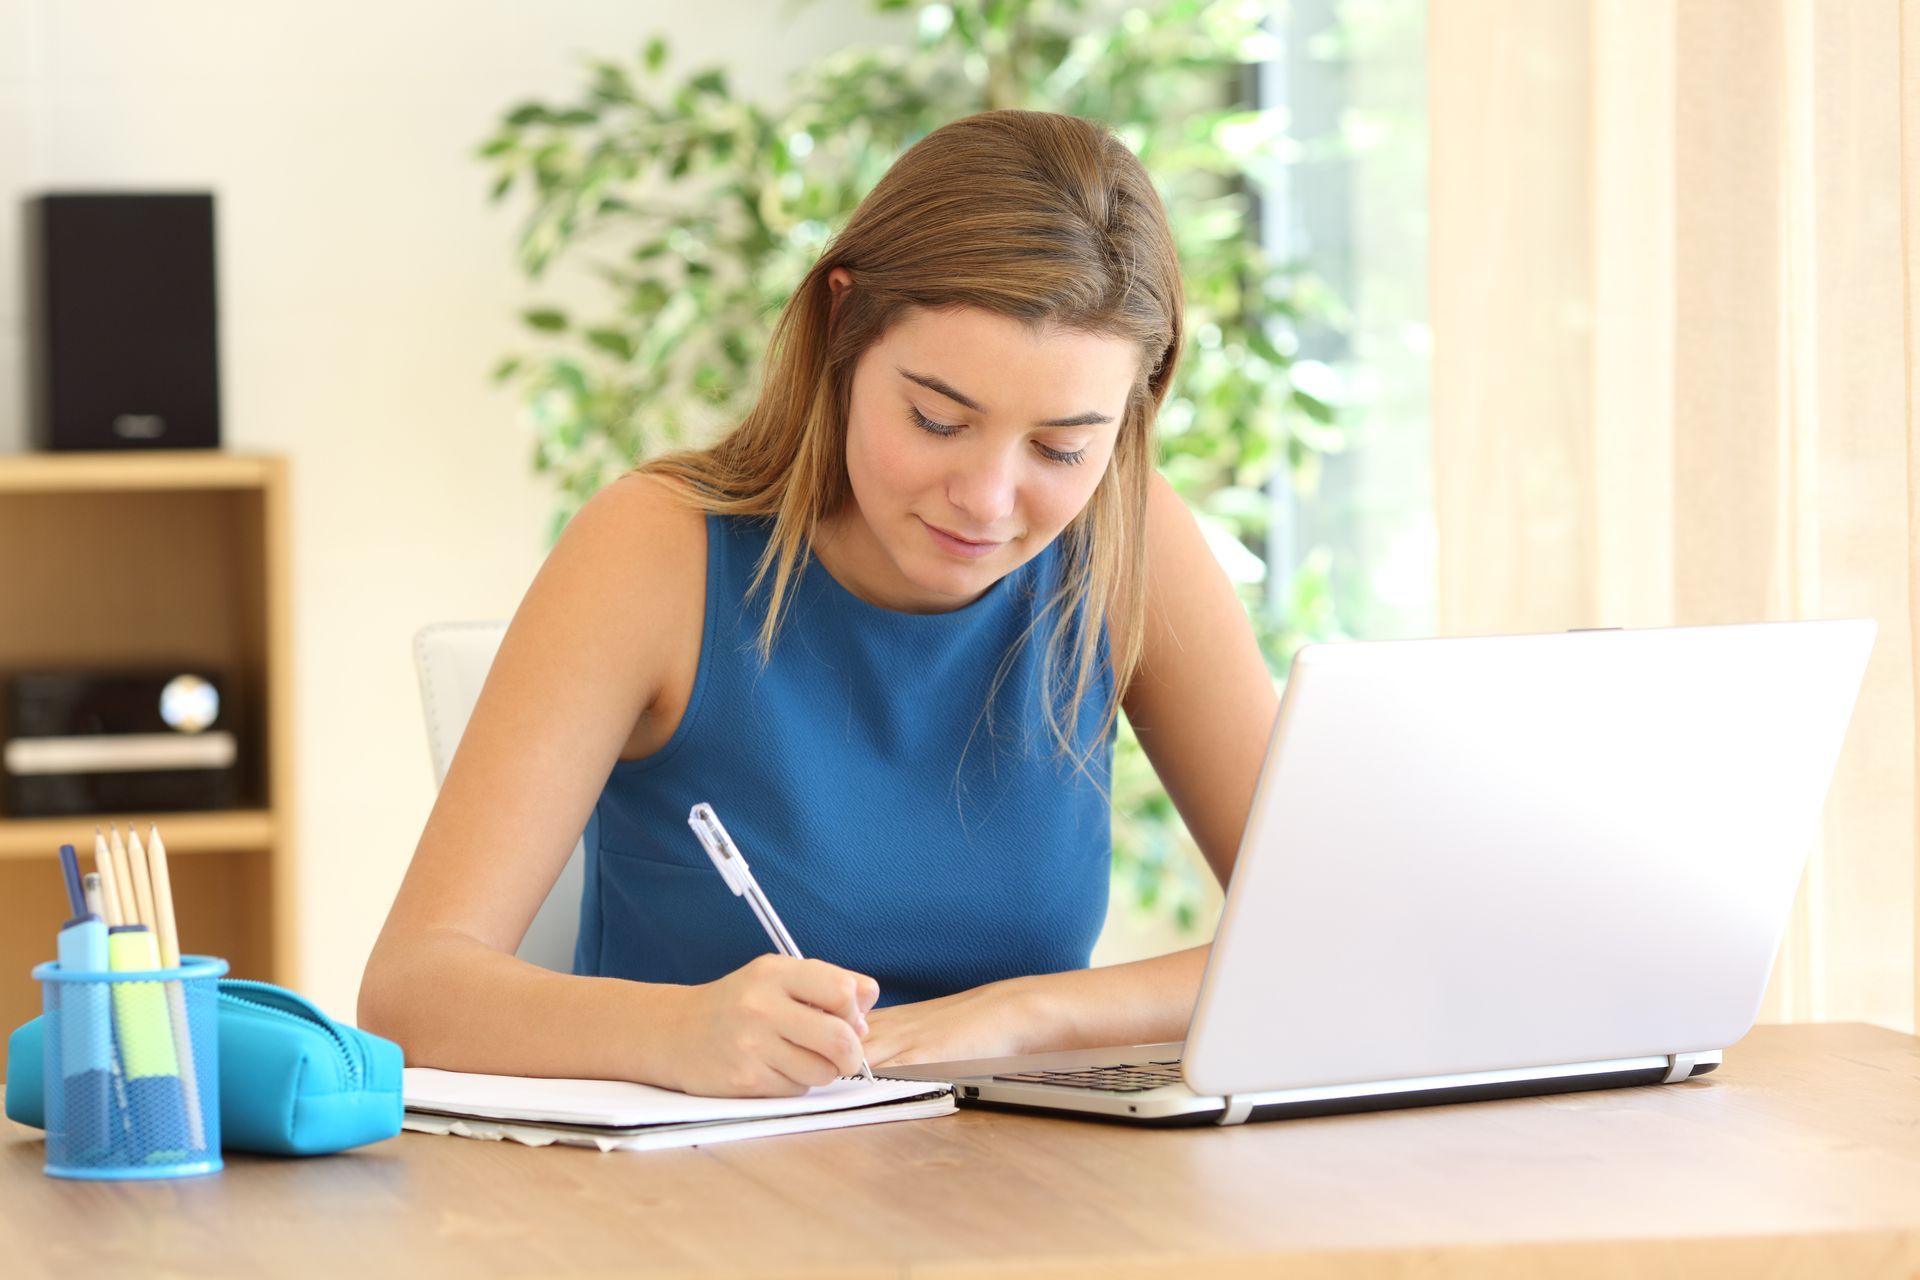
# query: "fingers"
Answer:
x=805 y=1068
x=793 y=1024
x=838 y=991
x=827 y=1039
x=771 y=1050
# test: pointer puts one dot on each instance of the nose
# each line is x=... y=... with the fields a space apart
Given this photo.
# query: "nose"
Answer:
x=982 y=488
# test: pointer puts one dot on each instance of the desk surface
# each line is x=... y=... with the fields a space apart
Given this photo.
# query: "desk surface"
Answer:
x=1800 y=1156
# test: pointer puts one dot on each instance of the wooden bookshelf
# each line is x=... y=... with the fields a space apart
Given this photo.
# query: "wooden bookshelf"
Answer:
x=185 y=833
x=135 y=559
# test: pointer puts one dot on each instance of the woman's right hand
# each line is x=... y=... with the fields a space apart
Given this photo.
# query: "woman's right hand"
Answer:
x=772 y=1028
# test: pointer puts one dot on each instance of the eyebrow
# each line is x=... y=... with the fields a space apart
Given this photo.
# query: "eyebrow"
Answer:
x=931 y=383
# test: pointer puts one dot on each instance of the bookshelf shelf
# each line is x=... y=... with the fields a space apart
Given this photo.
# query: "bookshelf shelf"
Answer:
x=184 y=833
x=94 y=473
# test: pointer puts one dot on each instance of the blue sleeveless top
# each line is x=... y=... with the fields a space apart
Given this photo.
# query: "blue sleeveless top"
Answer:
x=889 y=843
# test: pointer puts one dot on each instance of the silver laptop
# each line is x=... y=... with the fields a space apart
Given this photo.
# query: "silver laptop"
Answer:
x=1482 y=868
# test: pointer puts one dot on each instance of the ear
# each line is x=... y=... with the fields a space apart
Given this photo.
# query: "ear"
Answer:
x=839 y=280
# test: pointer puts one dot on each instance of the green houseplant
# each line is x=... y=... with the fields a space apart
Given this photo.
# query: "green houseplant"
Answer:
x=700 y=211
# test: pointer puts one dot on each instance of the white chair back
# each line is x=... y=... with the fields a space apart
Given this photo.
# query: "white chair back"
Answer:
x=452 y=659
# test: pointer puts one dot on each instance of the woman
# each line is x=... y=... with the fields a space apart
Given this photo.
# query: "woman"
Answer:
x=884 y=627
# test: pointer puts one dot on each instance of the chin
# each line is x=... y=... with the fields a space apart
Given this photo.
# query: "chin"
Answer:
x=953 y=580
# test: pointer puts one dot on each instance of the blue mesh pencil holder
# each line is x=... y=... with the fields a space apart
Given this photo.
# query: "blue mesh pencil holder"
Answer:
x=132 y=1070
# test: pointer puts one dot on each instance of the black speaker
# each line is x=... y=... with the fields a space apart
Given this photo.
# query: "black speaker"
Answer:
x=120 y=322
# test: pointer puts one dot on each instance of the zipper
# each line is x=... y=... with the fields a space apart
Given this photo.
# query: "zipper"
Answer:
x=290 y=1004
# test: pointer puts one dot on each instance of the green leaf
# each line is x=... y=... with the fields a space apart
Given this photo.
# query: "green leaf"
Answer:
x=1314 y=407
x=1263 y=347
x=567 y=375
x=655 y=55
x=612 y=341
x=545 y=319
x=506 y=368
x=611 y=83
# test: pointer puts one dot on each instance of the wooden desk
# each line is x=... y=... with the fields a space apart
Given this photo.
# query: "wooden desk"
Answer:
x=1799 y=1157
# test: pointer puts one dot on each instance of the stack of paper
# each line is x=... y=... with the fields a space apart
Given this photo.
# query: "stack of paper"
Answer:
x=618 y=1115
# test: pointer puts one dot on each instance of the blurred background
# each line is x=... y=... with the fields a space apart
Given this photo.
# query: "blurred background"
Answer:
x=1502 y=316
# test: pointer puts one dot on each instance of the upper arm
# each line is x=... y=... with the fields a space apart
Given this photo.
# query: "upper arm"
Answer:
x=587 y=651
x=1201 y=702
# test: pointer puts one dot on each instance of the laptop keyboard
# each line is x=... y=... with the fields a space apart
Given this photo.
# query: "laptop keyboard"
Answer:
x=1123 y=1077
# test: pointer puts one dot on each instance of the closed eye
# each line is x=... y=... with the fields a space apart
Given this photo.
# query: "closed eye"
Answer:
x=953 y=429
x=928 y=424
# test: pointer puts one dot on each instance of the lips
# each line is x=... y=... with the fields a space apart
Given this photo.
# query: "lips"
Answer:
x=960 y=537
x=954 y=544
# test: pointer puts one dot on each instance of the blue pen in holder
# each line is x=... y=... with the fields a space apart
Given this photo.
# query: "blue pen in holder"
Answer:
x=132 y=1069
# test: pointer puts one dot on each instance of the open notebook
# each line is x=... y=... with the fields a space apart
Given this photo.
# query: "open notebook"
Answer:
x=617 y=1115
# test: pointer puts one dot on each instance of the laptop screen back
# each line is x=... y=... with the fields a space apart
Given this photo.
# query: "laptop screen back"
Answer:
x=1516 y=851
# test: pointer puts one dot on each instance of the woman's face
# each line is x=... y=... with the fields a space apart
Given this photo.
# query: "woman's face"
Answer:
x=971 y=443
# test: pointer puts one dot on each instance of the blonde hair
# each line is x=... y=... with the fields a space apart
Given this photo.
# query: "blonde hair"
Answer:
x=1043 y=218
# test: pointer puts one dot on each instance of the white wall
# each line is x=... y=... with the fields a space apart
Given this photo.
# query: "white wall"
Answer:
x=366 y=288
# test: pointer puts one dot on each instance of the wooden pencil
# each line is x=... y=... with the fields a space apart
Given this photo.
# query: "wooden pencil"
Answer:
x=123 y=877
x=162 y=881
x=109 y=878
x=142 y=885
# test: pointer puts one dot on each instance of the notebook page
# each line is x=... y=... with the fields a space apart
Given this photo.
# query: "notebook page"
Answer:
x=623 y=1104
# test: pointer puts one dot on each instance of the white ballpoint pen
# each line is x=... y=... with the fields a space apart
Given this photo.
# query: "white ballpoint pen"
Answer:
x=739 y=877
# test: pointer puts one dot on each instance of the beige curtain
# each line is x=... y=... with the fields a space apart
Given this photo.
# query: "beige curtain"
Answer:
x=1675 y=253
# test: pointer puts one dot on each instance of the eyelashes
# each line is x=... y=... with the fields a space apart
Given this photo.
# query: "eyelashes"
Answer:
x=928 y=424
x=947 y=429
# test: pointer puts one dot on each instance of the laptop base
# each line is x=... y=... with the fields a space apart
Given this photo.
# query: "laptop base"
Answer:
x=985 y=1083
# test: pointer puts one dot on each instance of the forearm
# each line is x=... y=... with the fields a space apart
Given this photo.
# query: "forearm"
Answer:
x=1143 y=1002
x=453 y=1002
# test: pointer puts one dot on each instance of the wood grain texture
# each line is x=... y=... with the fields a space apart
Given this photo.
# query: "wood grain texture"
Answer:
x=185 y=833
x=168 y=469
x=1800 y=1157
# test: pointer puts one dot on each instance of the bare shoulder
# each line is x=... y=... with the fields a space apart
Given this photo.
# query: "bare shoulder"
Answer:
x=645 y=516
x=638 y=542
x=623 y=591
x=1192 y=609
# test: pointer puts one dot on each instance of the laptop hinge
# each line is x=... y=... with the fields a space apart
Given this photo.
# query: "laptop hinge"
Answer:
x=1237 y=1110
x=1679 y=1066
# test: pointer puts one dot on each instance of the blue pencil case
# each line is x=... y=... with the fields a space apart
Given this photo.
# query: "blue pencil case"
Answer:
x=293 y=1081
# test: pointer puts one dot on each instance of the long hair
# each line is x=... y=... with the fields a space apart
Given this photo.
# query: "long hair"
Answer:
x=1044 y=218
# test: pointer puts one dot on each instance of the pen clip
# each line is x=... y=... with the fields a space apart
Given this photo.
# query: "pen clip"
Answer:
x=719 y=846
